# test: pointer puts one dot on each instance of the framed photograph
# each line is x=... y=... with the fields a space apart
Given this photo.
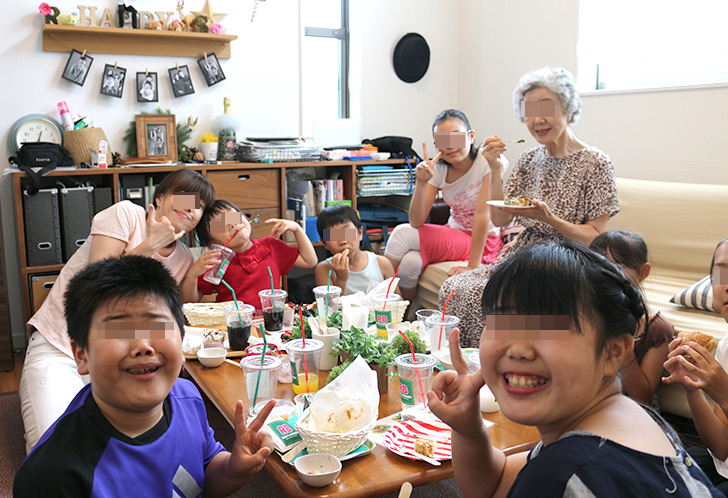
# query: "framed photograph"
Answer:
x=211 y=69
x=181 y=82
x=147 y=87
x=112 y=82
x=157 y=136
x=77 y=67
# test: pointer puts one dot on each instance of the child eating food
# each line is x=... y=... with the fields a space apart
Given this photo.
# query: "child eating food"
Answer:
x=137 y=429
x=351 y=268
x=560 y=321
x=693 y=367
x=642 y=368
x=247 y=273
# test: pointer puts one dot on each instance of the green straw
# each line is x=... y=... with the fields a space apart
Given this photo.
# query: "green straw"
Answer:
x=235 y=300
x=262 y=359
x=328 y=283
x=272 y=290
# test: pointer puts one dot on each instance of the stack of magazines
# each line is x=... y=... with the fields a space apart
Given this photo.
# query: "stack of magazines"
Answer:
x=272 y=150
x=373 y=182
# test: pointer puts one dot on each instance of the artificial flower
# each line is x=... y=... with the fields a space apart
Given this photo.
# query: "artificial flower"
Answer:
x=45 y=9
x=217 y=28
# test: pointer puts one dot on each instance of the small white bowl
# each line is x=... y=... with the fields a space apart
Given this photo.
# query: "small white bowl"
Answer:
x=318 y=469
x=212 y=357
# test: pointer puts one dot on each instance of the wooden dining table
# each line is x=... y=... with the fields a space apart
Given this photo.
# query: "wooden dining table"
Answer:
x=377 y=473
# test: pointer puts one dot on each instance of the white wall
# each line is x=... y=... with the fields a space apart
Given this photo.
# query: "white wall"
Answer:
x=674 y=135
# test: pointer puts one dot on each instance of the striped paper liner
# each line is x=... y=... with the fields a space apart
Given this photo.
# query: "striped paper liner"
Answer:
x=404 y=435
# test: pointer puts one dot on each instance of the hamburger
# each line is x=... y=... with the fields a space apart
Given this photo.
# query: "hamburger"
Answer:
x=704 y=340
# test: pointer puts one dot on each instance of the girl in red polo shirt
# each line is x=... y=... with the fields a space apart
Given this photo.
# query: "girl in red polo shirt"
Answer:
x=248 y=270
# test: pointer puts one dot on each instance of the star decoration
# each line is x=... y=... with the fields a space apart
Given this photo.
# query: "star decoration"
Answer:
x=212 y=17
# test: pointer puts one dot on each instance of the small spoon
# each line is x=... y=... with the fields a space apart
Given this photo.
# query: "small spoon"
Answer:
x=427 y=459
x=234 y=363
x=293 y=452
x=405 y=491
x=519 y=141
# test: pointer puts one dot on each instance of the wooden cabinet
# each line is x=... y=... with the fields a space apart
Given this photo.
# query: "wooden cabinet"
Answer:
x=6 y=340
x=257 y=188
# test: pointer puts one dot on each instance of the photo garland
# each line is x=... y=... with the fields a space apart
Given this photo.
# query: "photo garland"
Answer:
x=113 y=77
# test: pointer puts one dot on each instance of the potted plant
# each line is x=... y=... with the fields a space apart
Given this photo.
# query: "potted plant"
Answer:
x=378 y=353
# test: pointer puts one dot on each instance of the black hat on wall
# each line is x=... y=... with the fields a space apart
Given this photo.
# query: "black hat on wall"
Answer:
x=411 y=58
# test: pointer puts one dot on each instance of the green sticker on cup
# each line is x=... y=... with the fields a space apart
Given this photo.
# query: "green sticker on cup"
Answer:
x=382 y=318
x=293 y=371
x=406 y=391
x=223 y=267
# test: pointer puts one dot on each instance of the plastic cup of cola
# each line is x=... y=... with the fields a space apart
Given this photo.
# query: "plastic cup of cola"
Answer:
x=303 y=360
x=409 y=385
x=273 y=303
x=238 y=325
x=214 y=275
x=439 y=327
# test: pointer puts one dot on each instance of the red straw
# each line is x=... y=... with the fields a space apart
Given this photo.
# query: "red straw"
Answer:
x=439 y=340
x=231 y=238
x=417 y=370
x=303 y=335
x=384 y=308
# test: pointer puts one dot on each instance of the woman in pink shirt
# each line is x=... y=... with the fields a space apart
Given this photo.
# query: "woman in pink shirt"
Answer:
x=50 y=380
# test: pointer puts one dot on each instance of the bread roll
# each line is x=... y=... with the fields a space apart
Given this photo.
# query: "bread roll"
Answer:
x=704 y=340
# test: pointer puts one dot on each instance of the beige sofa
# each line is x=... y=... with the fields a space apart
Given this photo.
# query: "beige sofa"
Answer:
x=681 y=224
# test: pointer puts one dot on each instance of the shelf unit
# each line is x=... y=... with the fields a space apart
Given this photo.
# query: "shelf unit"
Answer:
x=257 y=188
x=97 y=40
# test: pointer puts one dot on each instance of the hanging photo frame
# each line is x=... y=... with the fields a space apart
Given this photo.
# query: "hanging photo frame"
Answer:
x=77 y=67
x=179 y=76
x=112 y=81
x=156 y=136
x=147 y=87
x=211 y=70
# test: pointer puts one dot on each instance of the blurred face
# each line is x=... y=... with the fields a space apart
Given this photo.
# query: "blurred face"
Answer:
x=343 y=236
x=182 y=209
x=134 y=355
x=532 y=367
x=453 y=139
x=230 y=223
x=544 y=115
x=720 y=281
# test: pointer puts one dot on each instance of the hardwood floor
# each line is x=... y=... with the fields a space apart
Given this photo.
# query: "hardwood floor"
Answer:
x=10 y=381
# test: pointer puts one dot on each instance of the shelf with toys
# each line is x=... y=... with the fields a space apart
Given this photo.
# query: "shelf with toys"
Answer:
x=104 y=40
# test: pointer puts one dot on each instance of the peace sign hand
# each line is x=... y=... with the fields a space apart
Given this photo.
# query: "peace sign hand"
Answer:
x=425 y=170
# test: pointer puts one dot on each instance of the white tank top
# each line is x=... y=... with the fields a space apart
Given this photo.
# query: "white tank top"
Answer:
x=360 y=280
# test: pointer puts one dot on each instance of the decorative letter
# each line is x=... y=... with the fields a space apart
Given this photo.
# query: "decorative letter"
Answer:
x=164 y=17
x=82 y=17
x=107 y=19
x=144 y=18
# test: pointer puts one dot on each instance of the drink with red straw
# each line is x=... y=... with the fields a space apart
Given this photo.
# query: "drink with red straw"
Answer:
x=442 y=319
x=414 y=359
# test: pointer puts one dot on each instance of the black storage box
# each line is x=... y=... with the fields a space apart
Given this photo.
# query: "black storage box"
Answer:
x=42 y=227
x=77 y=211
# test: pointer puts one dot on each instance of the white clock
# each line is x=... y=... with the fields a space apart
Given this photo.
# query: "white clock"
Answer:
x=34 y=128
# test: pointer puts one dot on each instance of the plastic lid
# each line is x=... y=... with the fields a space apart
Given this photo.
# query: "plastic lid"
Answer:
x=253 y=362
x=322 y=289
x=383 y=297
x=423 y=360
x=273 y=293
x=242 y=308
x=284 y=408
x=311 y=345
x=438 y=319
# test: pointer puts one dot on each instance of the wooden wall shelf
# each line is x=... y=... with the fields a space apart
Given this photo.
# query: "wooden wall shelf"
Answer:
x=97 y=40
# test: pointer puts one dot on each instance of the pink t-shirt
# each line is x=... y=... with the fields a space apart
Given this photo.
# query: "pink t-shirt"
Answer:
x=124 y=221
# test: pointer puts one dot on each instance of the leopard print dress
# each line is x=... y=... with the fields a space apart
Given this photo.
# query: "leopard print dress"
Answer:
x=577 y=188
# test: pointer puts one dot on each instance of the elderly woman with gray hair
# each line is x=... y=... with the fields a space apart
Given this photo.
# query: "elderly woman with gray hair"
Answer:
x=570 y=184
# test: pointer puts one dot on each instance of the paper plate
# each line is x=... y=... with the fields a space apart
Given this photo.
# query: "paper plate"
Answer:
x=404 y=435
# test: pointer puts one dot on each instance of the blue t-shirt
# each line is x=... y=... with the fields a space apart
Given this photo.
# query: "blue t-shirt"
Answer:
x=82 y=454
x=581 y=464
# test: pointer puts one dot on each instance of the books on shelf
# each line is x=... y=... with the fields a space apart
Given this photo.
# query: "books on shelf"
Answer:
x=307 y=198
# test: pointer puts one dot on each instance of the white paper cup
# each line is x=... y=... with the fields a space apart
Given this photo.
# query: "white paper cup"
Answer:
x=327 y=361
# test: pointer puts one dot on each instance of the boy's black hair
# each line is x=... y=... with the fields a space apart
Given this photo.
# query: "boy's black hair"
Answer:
x=625 y=248
x=335 y=215
x=203 y=227
x=111 y=280
x=566 y=279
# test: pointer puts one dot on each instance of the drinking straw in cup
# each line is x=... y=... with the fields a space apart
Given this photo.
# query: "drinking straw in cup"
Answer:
x=444 y=308
x=414 y=359
x=214 y=275
x=409 y=367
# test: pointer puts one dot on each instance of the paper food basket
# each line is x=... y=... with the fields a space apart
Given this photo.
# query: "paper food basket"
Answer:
x=335 y=443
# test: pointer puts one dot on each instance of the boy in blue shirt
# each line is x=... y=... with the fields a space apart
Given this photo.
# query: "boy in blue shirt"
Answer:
x=136 y=429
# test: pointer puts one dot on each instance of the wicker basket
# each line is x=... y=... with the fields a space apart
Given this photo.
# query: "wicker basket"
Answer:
x=78 y=143
x=199 y=314
x=335 y=443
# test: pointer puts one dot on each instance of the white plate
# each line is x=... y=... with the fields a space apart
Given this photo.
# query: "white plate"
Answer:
x=404 y=434
x=502 y=205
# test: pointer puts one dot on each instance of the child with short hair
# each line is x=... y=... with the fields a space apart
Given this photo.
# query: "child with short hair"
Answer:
x=247 y=273
x=137 y=429
x=642 y=368
x=707 y=375
x=351 y=268
x=560 y=321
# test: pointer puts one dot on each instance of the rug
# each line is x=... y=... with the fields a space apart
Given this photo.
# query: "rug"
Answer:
x=12 y=442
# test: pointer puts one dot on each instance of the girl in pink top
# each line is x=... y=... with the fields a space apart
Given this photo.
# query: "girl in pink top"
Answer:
x=50 y=380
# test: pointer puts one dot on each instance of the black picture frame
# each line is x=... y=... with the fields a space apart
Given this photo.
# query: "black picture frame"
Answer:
x=211 y=70
x=143 y=90
x=112 y=81
x=77 y=67
x=179 y=78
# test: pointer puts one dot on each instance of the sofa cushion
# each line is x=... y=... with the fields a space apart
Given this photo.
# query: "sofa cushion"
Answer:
x=699 y=295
